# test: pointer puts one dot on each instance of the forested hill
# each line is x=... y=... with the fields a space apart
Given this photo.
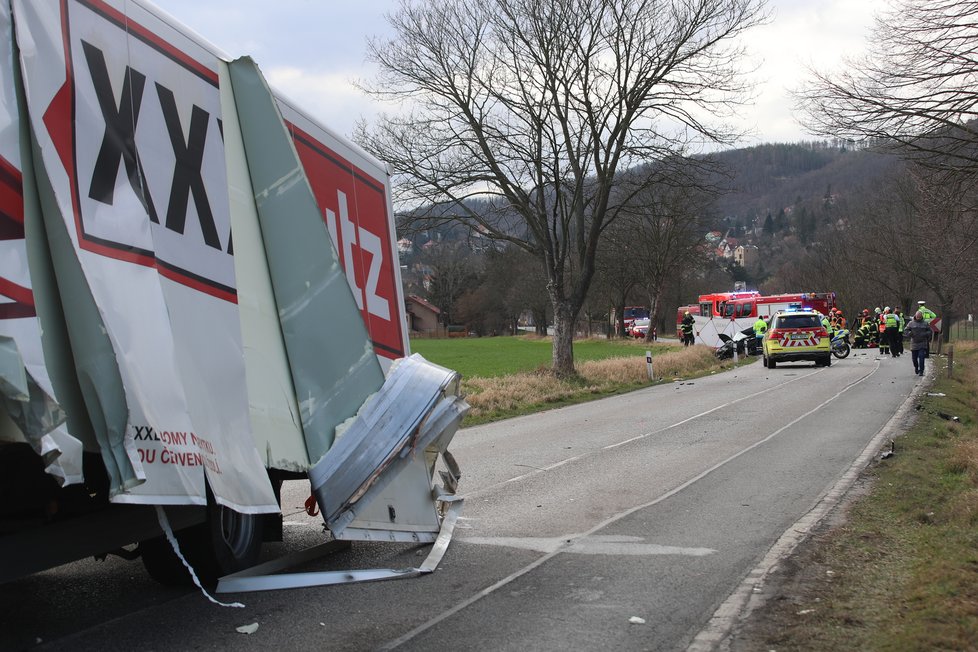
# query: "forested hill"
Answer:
x=765 y=179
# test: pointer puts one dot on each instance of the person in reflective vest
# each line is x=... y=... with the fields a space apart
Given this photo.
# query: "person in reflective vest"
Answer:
x=925 y=312
x=893 y=335
x=901 y=324
x=928 y=315
x=760 y=327
x=826 y=324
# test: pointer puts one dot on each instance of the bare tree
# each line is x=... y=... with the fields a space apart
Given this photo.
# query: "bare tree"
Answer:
x=915 y=89
x=668 y=234
x=540 y=105
x=453 y=272
x=616 y=270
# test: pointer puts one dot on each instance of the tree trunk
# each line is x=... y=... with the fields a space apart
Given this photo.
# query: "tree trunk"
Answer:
x=653 y=317
x=563 y=341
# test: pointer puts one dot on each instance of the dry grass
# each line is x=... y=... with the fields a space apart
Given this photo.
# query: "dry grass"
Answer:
x=527 y=392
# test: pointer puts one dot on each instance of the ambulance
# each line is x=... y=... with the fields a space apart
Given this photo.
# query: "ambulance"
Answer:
x=794 y=335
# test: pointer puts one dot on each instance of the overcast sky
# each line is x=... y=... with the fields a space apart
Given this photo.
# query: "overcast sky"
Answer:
x=311 y=50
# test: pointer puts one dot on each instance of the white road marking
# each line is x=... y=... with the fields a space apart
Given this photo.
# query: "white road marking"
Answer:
x=591 y=545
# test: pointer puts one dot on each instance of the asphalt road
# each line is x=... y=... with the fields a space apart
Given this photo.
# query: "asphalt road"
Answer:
x=655 y=505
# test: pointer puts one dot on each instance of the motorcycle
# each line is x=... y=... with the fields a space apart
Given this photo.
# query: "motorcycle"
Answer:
x=741 y=343
x=726 y=348
x=840 y=343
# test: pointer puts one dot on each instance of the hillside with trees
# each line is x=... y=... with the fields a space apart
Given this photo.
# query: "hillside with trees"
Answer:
x=808 y=213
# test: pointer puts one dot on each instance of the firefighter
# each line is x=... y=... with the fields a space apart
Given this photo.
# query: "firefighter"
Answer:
x=687 y=329
x=884 y=338
x=874 y=331
x=863 y=335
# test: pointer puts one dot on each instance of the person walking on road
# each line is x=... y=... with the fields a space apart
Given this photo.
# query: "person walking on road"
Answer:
x=919 y=333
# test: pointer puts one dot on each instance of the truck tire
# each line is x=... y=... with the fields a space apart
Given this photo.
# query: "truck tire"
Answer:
x=226 y=542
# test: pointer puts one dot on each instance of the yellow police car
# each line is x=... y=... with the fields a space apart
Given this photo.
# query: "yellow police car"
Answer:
x=797 y=335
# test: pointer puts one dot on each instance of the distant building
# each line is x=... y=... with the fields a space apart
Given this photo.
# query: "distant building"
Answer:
x=725 y=250
x=747 y=256
x=422 y=317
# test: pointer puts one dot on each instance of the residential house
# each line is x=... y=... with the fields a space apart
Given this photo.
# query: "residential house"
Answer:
x=422 y=317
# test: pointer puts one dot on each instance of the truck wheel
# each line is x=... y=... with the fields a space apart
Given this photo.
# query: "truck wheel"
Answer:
x=771 y=364
x=162 y=564
x=226 y=542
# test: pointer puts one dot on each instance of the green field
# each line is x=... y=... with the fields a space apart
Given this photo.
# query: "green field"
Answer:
x=488 y=357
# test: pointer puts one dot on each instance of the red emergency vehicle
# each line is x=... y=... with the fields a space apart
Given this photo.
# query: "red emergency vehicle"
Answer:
x=765 y=306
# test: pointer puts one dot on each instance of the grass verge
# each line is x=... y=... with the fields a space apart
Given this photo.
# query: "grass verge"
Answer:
x=901 y=573
x=604 y=368
x=490 y=357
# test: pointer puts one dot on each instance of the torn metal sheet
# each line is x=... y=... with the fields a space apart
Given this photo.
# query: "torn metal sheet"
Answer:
x=256 y=579
x=411 y=411
x=399 y=502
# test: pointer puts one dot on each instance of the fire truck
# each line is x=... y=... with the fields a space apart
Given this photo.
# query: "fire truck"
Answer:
x=730 y=312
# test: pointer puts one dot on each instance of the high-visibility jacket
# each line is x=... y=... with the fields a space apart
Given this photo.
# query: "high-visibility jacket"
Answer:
x=760 y=327
x=927 y=313
x=891 y=320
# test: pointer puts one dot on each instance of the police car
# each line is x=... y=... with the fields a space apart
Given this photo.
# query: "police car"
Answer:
x=796 y=334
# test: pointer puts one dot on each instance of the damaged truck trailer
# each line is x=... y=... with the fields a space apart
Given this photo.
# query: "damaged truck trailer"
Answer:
x=199 y=299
